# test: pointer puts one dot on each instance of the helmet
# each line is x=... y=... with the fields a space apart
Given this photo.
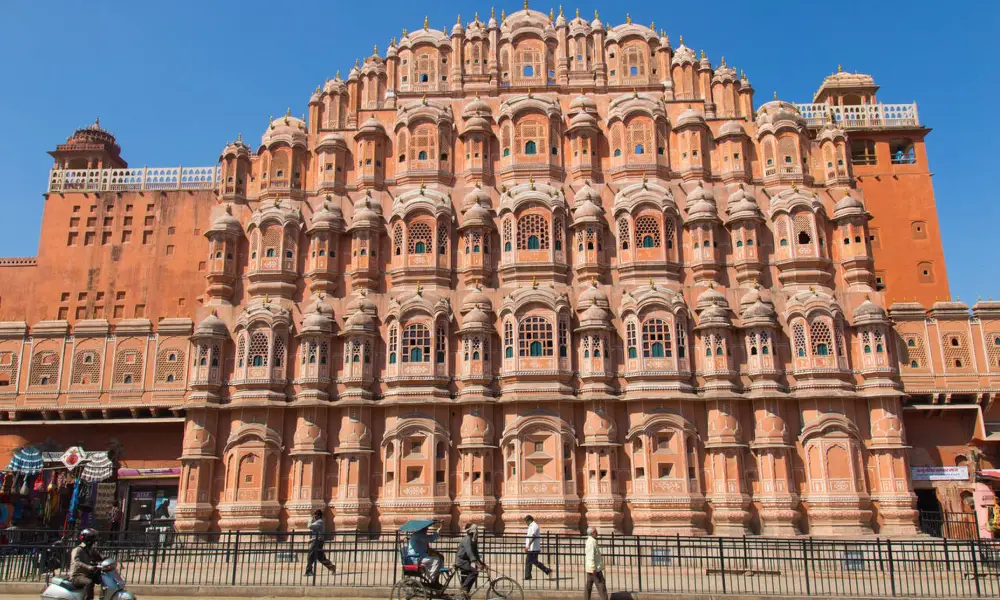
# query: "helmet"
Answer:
x=87 y=536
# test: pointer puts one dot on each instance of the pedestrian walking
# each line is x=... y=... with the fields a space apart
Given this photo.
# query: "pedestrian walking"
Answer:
x=593 y=564
x=317 y=530
x=532 y=547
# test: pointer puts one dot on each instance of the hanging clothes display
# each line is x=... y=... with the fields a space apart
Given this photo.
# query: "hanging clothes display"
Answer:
x=98 y=468
x=27 y=461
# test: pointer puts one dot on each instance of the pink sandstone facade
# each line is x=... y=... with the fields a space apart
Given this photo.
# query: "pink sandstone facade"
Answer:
x=530 y=265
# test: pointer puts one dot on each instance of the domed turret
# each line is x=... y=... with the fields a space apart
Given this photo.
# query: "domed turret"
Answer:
x=868 y=313
x=211 y=326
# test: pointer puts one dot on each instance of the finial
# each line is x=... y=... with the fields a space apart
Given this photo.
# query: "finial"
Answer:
x=979 y=298
x=239 y=137
x=531 y=182
x=795 y=188
x=652 y=284
x=743 y=74
x=681 y=39
x=423 y=100
x=267 y=300
x=578 y=13
x=422 y=187
x=426 y=23
x=722 y=61
x=775 y=94
x=552 y=15
x=840 y=69
x=756 y=284
x=356 y=65
x=318 y=90
x=493 y=12
x=420 y=289
x=560 y=10
x=337 y=76
x=97 y=122
x=593 y=281
x=652 y=26
x=628 y=18
x=288 y=112
x=812 y=289
x=229 y=208
x=703 y=53
x=375 y=50
x=644 y=181
x=215 y=312
x=525 y=4
x=405 y=33
x=458 y=21
x=597 y=17
x=534 y=283
x=503 y=15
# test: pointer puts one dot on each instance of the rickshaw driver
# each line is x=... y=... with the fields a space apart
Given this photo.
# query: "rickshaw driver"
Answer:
x=419 y=551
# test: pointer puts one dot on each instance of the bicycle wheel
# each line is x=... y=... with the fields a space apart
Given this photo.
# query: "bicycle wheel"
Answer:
x=504 y=588
x=407 y=589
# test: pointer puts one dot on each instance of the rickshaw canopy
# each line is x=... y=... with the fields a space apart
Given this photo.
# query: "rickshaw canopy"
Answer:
x=415 y=525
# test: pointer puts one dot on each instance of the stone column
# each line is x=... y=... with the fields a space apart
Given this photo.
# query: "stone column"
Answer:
x=892 y=488
x=194 y=506
x=727 y=492
x=773 y=453
x=352 y=503
x=308 y=456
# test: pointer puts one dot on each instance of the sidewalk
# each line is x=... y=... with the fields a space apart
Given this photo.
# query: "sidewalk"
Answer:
x=32 y=591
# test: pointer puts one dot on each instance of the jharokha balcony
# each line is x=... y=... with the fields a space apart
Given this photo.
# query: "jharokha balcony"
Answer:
x=860 y=116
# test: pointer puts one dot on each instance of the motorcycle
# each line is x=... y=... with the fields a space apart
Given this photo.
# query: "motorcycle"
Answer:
x=112 y=586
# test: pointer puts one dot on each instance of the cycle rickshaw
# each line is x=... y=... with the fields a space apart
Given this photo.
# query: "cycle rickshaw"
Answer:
x=415 y=585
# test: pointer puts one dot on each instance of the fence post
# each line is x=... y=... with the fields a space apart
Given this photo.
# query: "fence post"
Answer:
x=805 y=561
x=947 y=562
x=156 y=555
x=236 y=553
x=548 y=541
x=678 y=549
x=395 y=546
x=638 y=560
x=892 y=566
x=975 y=563
x=722 y=565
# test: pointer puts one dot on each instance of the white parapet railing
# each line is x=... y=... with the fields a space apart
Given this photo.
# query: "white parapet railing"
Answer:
x=134 y=180
x=861 y=116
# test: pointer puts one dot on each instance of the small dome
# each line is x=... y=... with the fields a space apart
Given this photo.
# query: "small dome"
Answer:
x=868 y=312
x=596 y=24
x=226 y=223
x=477 y=107
x=690 y=116
x=237 y=148
x=317 y=321
x=367 y=213
x=371 y=127
x=595 y=315
x=335 y=86
x=683 y=55
x=730 y=128
x=587 y=211
x=702 y=209
x=710 y=297
x=714 y=315
x=457 y=29
x=592 y=295
x=698 y=194
x=333 y=141
x=743 y=206
x=583 y=120
x=758 y=312
x=211 y=326
x=287 y=129
x=587 y=193
x=360 y=319
x=476 y=299
x=583 y=102
x=848 y=206
x=476 y=197
x=477 y=214
x=476 y=316
x=328 y=214
x=361 y=302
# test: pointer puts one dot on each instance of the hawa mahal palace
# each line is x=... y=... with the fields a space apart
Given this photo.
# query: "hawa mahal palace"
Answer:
x=534 y=264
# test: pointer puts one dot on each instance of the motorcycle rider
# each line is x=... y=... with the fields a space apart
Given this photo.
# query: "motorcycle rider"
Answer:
x=85 y=563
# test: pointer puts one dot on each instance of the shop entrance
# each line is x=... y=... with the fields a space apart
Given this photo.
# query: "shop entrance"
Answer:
x=931 y=515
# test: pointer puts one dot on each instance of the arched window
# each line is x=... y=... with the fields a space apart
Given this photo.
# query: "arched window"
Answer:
x=258 y=349
x=647 y=232
x=803 y=237
x=822 y=340
x=422 y=155
x=393 y=344
x=416 y=343
x=532 y=232
x=530 y=147
x=630 y=339
x=639 y=149
x=529 y=71
x=419 y=238
x=535 y=337
x=799 y=339
x=656 y=341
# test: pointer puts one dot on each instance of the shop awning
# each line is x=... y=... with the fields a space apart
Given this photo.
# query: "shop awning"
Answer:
x=989 y=474
x=149 y=473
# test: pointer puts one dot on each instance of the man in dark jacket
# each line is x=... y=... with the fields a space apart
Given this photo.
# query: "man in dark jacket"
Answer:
x=85 y=563
x=468 y=559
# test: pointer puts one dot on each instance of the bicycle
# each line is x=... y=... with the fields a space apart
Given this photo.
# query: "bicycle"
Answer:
x=415 y=585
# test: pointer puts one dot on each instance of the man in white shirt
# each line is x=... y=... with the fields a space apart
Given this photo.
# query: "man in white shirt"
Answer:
x=532 y=546
x=594 y=566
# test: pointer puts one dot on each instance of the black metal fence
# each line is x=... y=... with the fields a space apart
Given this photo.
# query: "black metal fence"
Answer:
x=951 y=525
x=671 y=564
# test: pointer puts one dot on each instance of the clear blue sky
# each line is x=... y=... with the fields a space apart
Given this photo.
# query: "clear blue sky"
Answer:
x=174 y=81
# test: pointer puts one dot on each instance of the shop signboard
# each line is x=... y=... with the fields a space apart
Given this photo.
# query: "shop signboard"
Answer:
x=72 y=457
x=960 y=473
